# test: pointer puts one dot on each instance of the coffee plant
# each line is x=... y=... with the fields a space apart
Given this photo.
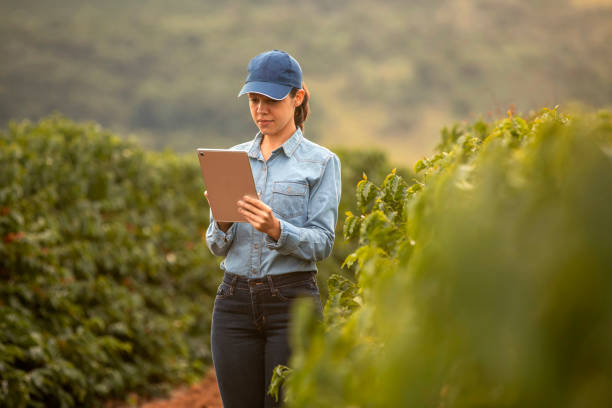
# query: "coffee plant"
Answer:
x=484 y=281
x=105 y=284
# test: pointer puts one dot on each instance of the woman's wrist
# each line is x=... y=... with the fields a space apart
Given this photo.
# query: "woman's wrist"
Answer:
x=224 y=226
x=275 y=232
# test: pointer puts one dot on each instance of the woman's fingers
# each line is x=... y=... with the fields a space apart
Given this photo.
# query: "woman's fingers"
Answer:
x=255 y=206
x=251 y=209
x=257 y=203
x=255 y=220
x=258 y=214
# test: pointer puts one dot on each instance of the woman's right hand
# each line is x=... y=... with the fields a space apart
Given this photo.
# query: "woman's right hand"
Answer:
x=223 y=226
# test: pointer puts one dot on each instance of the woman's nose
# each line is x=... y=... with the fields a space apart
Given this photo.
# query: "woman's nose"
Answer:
x=261 y=107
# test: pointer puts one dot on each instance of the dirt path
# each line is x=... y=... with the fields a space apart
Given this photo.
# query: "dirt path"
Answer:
x=202 y=395
x=205 y=394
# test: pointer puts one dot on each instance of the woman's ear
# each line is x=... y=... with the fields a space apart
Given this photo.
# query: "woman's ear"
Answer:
x=299 y=97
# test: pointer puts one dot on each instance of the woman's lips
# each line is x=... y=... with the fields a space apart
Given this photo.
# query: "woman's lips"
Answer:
x=264 y=122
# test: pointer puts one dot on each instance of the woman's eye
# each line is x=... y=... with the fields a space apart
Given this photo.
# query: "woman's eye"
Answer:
x=267 y=101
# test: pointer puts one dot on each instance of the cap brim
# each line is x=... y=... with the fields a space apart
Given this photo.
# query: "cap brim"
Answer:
x=269 y=89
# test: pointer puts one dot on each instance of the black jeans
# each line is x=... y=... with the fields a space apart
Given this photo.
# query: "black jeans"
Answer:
x=249 y=336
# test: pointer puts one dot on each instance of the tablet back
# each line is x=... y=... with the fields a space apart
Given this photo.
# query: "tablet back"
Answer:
x=228 y=177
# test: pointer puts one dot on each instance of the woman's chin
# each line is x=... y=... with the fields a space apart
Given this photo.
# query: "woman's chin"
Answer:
x=265 y=130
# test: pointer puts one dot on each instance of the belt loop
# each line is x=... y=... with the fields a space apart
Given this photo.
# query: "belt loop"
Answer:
x=273 y=290
x=233 y=284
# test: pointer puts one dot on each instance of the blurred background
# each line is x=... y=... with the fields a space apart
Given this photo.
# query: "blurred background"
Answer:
x=106 y=288
x=388 y=74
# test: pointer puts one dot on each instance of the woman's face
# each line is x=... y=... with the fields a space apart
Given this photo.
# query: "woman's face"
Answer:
x=275 y=118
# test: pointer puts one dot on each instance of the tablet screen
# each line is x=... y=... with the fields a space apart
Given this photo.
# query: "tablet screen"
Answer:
x=228 y=177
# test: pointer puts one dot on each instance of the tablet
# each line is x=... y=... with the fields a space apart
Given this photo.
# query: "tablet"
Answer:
x=228 y=177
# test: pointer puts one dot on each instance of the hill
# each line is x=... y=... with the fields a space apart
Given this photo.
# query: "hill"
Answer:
x=386 y=74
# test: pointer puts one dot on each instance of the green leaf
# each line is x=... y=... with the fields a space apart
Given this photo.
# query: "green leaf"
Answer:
x=279 y=376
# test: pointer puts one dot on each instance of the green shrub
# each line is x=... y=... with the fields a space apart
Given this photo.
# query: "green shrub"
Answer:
x=486 y=283
x=105 y=285
x=354 y=164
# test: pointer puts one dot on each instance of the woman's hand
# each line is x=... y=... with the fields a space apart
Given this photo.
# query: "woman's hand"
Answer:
x=224 y=226
x=260 y=216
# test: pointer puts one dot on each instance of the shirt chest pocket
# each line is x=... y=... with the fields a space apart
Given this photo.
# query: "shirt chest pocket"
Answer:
x=289 y=198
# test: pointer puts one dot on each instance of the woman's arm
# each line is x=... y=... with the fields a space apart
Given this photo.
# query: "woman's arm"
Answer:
x=314 y=240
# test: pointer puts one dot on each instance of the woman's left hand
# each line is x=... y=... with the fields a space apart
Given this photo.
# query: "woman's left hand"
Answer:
x=260 y=216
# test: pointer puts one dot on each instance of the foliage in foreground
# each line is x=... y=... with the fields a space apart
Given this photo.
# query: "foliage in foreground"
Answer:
x=105 y=286
x=486 y=283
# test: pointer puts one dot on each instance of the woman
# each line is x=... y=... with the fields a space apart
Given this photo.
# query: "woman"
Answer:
x=270 y=260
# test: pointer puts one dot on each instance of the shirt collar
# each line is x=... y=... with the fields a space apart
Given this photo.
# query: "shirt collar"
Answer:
x=254 y=151
x=289 y=146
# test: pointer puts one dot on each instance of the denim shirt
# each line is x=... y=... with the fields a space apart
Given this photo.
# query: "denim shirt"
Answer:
x=300 y=181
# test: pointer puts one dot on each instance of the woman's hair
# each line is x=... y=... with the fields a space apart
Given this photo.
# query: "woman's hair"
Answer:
x=301 y=112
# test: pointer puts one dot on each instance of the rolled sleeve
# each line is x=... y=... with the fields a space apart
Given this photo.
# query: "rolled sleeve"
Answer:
x=288 y=240
x=218 y=241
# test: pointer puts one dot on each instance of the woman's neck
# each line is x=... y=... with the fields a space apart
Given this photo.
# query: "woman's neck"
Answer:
x=269 y=143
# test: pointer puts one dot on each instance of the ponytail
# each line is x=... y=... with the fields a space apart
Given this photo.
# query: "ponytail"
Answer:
x=301 y=112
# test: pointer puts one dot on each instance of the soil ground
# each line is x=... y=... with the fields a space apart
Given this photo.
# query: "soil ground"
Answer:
x=204 y=394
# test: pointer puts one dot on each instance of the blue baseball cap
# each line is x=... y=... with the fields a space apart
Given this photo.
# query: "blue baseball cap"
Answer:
x=273 y=74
